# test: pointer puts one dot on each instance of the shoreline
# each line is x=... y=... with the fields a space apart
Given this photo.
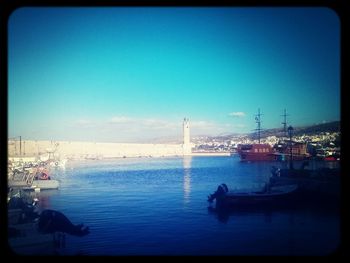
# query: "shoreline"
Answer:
x=210 y=154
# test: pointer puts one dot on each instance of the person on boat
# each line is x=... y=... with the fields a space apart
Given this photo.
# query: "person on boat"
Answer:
x=28 y=210
x=276 y=171
x=222 y=190
x=45 y=175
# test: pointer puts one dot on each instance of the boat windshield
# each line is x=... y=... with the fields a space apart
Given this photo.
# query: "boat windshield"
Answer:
x=246 y=147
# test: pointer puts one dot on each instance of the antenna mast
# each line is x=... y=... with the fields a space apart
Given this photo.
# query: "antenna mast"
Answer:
x=258 y=121
x=285 y=122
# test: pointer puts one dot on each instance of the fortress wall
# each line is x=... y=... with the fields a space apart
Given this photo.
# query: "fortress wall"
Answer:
x=79 y=150
x=84 y=149
x=29 y=148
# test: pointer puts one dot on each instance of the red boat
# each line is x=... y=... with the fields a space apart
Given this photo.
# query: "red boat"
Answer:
x=331 y=158
x=299 y=152
x=256 y=152
x=265 y=152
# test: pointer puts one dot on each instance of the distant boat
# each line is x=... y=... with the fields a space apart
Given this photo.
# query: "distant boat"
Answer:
x=265 y=152
x=267 y=195
x=299 y=151
x=256 y=152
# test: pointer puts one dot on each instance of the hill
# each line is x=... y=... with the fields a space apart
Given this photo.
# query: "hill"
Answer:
x=324 y=127
x=308 y=130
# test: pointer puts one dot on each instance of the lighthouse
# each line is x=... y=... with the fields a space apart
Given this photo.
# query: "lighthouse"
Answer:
x=187 y=147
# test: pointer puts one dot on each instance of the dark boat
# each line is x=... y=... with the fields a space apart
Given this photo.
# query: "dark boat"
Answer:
x=283 y=151
x=256 y=152
x=318 y=184
x=268 y=195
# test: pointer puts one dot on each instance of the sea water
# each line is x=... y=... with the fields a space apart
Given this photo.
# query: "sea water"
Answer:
x=158 y=206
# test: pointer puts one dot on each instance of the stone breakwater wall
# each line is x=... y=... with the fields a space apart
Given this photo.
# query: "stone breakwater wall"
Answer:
x=76 y=150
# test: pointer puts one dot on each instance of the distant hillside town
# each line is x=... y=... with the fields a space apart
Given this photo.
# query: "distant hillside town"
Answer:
x=320 y=139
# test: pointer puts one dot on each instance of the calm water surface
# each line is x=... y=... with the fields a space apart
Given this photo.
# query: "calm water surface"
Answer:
x=158 y=206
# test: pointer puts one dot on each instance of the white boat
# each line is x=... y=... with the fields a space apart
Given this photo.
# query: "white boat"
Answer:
x=36 y=184
x=58 y=163
x=45 y=184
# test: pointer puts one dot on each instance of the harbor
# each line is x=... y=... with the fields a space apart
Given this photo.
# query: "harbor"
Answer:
x=52 y=174
x=139 y=206
x=174 y=131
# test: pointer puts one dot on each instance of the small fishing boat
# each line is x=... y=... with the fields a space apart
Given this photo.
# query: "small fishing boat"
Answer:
x=32 y=179
x=268 y=195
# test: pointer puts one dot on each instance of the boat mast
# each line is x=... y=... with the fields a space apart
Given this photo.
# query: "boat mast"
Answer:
x=290 y=131
x=20 y=146
x=258 y=121
x=285 y=123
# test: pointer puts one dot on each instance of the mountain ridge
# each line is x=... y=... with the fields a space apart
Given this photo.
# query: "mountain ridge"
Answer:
x=333 y=126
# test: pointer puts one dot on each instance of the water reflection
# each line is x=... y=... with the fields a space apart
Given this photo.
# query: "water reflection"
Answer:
x=187 y=161
x=131 y=218
x=223 y=214
x=316 y=207
x=312 y=164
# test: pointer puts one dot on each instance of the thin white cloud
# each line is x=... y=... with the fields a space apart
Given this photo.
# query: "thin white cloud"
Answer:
x=123 y=128
x=120 y=119
x=143 y=123
x=240 y=126
x=157 y=124
x=238 y=114
x=83 y=122
x=202 y=124
x=153 y=123
x=209 y=128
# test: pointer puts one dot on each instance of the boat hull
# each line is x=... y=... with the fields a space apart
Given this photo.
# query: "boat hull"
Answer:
x=45 y=184
x=312 y=187
x=246 y=157
x=273 y=196
x=37 y=184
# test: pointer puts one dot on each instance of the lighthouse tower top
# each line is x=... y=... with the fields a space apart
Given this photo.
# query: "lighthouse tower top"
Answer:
x=186 y=131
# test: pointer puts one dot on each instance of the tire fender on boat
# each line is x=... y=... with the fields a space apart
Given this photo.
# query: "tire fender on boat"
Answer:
x=44 y=176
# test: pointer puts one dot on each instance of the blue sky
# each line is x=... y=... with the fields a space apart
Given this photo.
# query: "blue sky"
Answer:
x=133 y=74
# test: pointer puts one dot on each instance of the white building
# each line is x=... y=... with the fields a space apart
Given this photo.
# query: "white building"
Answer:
x=187 y=146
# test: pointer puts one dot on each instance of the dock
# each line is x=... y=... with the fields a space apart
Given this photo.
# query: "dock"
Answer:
x=29 y=241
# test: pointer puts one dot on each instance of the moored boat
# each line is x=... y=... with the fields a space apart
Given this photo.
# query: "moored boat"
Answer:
x=33 y=178
x=35 y=184
x=268 y=195
x=321 y=183
x=256 y=152
x=265 y=152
